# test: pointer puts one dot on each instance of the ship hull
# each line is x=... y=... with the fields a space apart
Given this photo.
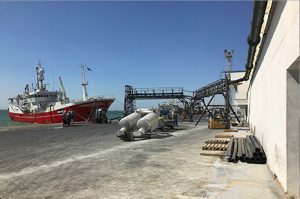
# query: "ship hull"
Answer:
x=83 y=112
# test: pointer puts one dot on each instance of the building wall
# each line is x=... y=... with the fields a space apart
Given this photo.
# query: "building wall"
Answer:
x=293 y=129
x=268 y=90
x=240 y=96
x=242 y=88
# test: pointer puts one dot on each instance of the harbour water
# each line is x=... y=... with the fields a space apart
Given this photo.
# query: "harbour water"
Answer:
x=5 y=121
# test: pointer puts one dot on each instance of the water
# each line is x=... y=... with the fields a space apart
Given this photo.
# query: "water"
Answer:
x=5 y=121
x=114 y=114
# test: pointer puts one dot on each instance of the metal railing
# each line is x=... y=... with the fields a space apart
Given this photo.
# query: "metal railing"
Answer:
x=158 y=90
x=132 y=94
x=216 y=87
x=93 y=98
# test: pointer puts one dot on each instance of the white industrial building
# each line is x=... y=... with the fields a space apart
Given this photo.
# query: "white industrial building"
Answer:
x=240 y=96
x=273 y=93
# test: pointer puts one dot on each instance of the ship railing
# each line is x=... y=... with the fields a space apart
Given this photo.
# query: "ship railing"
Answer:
x=17 y=105
x=13 y=103
x=102 y=97
x=94 y=98
x=76 y=100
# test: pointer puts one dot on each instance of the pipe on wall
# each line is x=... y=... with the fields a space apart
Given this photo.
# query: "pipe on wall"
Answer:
x=254 y=38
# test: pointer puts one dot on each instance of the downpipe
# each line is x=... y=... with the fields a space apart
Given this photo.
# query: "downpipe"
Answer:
x=253 y=40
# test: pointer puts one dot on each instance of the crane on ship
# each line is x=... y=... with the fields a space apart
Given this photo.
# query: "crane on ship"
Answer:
x=62 y=88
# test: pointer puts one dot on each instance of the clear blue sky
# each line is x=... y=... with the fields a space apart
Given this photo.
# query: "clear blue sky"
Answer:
x=143 y=44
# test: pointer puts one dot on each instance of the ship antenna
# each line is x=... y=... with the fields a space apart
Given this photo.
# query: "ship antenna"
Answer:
x=37 y=67
x=84 y=84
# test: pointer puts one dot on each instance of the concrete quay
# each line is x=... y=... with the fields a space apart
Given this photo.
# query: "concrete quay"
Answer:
x=89 y=161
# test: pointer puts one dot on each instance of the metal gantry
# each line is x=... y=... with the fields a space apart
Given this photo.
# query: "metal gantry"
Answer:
x=211 y=90
x=132 y=94
x=216 y=87
x=129 y=103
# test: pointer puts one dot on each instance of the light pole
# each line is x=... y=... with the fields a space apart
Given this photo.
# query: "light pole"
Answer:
x=228 y=56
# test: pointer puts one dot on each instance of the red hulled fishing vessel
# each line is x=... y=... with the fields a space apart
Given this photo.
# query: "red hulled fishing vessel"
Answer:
x=41 y=106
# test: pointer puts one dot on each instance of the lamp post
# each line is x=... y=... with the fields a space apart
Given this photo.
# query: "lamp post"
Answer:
x=228 y=56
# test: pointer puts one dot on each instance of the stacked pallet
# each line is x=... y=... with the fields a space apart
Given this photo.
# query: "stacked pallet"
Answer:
x=223 y=135
x=216 y=144
x=246 y=149
x=215 y=147
x=230 y=130
x=218 y=140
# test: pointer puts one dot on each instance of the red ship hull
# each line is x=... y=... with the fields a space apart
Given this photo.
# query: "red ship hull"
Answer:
x=82 y=112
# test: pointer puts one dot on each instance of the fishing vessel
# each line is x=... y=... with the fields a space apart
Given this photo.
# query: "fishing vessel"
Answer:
x=41 y=106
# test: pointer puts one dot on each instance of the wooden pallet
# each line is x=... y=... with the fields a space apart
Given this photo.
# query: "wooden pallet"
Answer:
x=217 y=141
x=213 y=153
x=223 y=135
x=230 y=130
x=214 y=147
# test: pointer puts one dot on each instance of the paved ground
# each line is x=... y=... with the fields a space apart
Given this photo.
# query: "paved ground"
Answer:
x=91 y=162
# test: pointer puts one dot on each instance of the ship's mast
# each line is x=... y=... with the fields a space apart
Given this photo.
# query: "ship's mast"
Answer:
x=84 y=84
x=37 y=75
x=40 y=76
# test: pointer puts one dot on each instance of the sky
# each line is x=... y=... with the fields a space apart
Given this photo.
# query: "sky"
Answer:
x=139 y=43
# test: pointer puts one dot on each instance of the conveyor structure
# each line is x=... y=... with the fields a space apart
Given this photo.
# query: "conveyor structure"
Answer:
x=132 y=94
x=216 y=87
x=221 y=87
